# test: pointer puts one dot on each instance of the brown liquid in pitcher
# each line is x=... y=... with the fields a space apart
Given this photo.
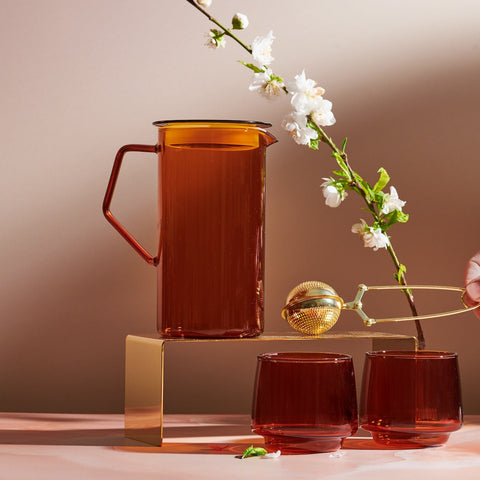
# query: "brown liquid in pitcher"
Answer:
x=212 y=267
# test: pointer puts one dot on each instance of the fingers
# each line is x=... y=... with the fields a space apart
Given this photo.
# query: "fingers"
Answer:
x=472 y=281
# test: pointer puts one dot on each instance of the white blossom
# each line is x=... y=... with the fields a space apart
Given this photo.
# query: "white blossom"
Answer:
x=204 y=3
x=391 y=202
x=333 y=198
x=262 y=49
x=306 y=96
x=239 y=21
x=266 y=83
x=296 y=124
x=272 y=454
x=322 y=115
x=372 y=237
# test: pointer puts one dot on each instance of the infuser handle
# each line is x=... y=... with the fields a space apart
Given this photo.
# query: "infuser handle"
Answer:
x=109 y=194
x=357 y=306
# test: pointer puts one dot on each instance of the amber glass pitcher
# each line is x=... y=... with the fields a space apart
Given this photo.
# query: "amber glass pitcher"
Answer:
x=211 y=218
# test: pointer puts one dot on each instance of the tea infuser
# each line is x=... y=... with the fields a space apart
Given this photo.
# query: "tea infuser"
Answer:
x=314 y=307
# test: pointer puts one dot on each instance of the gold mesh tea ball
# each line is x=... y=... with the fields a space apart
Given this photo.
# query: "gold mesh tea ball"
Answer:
x=312 y=307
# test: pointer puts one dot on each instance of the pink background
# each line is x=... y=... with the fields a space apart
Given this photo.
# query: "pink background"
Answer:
x=80 y=79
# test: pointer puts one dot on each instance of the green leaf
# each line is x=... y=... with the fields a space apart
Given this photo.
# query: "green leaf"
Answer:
x=402 y=270
x=252 y=451
x=382 y=181
x=253 y=67
x=247 y=452
x=341 y=185
x=391 y=219
x=366 y=187
x=312 y=124
x=378 y=224
x=338 y=158
x=394 y=217
x=344 y=144
x=379 y=198
x=402 y=217
x=276 y=78
x=314 y=144
x=341 y=164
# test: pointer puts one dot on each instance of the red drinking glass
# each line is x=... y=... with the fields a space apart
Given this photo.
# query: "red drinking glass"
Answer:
x=304 y=402
x=411 y=399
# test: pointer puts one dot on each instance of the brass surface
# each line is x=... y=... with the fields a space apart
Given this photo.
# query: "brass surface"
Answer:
x=146 y=357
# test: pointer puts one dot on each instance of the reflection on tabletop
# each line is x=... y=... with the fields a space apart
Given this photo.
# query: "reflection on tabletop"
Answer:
x=198 y=434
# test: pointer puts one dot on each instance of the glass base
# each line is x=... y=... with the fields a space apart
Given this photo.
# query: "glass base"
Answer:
x=299 y=445
x=410 y=440
x=209 y=334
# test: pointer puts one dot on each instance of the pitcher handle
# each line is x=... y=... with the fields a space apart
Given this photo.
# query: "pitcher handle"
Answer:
x=109 y=194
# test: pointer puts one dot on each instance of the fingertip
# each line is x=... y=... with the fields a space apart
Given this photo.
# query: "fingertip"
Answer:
x=473 y=293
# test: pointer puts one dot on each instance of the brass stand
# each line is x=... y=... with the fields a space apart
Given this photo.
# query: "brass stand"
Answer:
x=145 y=368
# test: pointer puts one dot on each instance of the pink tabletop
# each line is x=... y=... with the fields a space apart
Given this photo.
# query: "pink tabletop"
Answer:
x=70 y=446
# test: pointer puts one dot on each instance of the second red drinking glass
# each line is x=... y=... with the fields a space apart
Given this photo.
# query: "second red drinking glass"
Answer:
x=304 y=402
x=411 y=399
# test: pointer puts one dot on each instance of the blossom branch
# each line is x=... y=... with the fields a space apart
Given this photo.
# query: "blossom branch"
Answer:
x=311 y=113
x=218 y=24
x=400 y=275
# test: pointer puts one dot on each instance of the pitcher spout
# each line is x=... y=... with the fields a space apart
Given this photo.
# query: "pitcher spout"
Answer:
x=269 y=138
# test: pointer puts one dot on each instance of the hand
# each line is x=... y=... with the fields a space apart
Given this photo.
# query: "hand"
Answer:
x=472 y=283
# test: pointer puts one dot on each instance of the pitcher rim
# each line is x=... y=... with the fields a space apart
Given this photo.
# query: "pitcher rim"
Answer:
x=166 y=123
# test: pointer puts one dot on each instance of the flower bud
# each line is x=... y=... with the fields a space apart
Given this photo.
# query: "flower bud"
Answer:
x=216 y=38
x=204 y=3
x=239 y=21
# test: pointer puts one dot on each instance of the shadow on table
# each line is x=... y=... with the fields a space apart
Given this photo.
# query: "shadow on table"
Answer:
x=87 y=437
x=65 y=429
x=238 y=446
x=197 y=435
x=235 y=448
x=94 y=430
